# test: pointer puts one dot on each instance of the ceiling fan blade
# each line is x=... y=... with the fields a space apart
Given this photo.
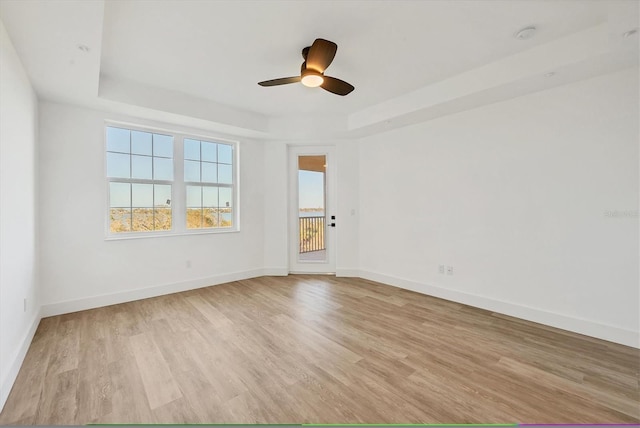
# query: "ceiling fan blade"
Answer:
x=321 y=54
x=337 y=86
x=281 y=81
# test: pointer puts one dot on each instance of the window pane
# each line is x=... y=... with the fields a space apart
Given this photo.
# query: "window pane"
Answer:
x=194 y=218
x=142 y=219
x=141 y=167
x=191 y=149
x=118 y=165
x=163 y=145
x=147 y=157
x=119 y=220
x=210 y=197
x=162 y=219
x=141 y=143
x=191 y=171
x=225 y=153
x=194 y=196
x=210 y=217
x=226 y=217
x=142 y=195
x=161 y=195
x=226 y=197
x=120 y=195
x=209 y=152
x=225 y=174
x=209 y=172
x=118 y=139
x=162 y=169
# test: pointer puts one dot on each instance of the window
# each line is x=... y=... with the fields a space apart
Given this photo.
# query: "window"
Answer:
x=140 y=174
x=150 y=194
x=208 y=174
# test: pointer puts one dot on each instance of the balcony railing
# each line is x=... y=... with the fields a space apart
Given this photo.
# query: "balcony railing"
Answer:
x=311 y=234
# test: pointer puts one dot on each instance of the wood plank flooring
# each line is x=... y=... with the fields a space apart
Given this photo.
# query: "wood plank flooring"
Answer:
x=316 y=349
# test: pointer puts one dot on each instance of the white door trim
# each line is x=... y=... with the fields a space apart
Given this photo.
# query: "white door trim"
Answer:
x=295 y=265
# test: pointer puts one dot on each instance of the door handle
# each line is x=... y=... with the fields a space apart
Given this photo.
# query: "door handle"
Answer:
x=332 y=225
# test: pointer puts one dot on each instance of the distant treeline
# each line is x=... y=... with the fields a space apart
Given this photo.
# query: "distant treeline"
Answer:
x=148 y=219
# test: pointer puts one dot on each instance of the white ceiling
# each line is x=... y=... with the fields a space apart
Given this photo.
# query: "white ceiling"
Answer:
x=220 y=50
x=210 y=55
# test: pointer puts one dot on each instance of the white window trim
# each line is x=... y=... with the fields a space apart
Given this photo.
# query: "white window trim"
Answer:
x=178 y=185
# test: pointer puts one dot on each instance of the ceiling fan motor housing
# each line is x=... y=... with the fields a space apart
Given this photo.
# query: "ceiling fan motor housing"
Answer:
x=312 y=78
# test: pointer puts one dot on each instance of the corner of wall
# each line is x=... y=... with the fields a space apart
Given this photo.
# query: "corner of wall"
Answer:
x=18 y=358
x=19 y=283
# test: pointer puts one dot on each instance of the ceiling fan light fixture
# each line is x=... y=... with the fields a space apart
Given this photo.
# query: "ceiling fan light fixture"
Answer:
x=312 y=79
x=317 y=58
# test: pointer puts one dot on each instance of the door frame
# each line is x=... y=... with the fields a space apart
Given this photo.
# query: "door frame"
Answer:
x=312 y=266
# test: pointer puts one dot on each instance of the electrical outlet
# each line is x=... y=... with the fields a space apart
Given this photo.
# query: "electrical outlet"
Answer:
x=441 y=269
x=188 y=264
x=449 y=270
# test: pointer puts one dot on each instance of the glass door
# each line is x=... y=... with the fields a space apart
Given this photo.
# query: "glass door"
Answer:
x=311 y=207
x=312 y=229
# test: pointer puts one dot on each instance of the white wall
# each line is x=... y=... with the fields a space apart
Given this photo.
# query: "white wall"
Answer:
x=514 y=195
x=80 y=269
x=347 y=259
x=18 y=231
x=276 y=244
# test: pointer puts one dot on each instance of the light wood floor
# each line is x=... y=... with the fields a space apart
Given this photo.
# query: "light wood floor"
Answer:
x=315 y=349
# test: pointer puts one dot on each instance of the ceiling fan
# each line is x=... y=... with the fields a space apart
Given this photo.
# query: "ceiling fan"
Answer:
x=317 y=58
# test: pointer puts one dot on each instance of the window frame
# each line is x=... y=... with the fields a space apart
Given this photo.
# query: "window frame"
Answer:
x=178 y=185
x=207 y=184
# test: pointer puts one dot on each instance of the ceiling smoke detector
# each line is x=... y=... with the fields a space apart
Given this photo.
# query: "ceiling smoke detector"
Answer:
x=526 y=33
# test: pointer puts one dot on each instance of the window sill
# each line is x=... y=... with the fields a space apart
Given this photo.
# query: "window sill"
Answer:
x=145 y=235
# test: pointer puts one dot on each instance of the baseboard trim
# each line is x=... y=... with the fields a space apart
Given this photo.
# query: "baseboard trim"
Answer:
x=347 y=273
x=279 y=271
x=92 y=302
x=18 y=359
x=576 y=325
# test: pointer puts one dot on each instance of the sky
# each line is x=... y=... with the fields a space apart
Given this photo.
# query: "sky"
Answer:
x=147 y=155
x=311 y=189
x=139 y=154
